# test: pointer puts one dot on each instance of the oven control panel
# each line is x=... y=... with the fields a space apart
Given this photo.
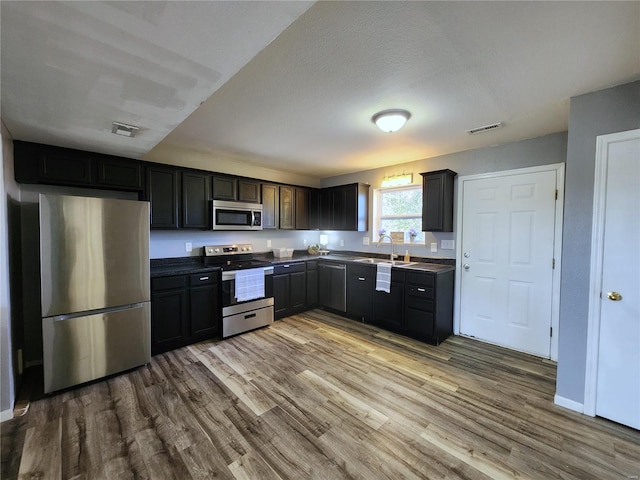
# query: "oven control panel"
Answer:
x=213 y=250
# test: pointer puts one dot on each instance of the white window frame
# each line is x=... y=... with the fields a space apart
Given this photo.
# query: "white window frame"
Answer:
x=377 y=208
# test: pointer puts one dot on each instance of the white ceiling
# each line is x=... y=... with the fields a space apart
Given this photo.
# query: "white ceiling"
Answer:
x=293 y=88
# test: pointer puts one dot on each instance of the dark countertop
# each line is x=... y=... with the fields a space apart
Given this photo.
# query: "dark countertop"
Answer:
x=165 y=267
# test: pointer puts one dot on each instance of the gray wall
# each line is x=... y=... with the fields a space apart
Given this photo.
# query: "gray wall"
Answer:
x=607 y=111
x=545 y=150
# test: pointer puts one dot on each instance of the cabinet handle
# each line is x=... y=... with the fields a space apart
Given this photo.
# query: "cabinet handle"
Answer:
x=286 y=266
x=421 y=290
x=361 y=279
x=204 y=278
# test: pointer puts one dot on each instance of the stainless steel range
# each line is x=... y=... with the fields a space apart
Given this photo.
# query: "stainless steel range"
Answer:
x=247 y=287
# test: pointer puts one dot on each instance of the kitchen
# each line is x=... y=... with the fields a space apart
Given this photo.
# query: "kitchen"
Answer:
x=591 y=115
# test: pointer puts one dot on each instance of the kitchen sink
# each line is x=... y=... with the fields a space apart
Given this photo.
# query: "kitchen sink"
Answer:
x=397 y=263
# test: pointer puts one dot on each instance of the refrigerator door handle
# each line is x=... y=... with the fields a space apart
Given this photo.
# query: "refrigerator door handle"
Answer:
x=61 y=318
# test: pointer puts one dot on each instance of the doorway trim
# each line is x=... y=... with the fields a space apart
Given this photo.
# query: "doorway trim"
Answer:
x=557 y=244
x=597 y=254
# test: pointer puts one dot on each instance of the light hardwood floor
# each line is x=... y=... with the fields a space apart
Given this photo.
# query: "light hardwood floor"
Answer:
x=318 y=396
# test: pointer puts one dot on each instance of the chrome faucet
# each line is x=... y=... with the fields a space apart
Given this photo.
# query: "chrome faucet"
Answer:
x=382 y=237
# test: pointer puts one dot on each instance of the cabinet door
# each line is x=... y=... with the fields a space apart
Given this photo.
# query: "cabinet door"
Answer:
x=437 y=201
x=360 y=287
x=314 y=209
x=286 y=208
x=281 y=303
x=270 y=206
x=326 y=209
x=204 y=302
x=248 y=191
x=312 y=283
x=120 y=173
x=302 y=208
x=169 y=321
x=225 y=188
x=350 y=208
x=195 y=200
x=332 y=291
x=297 y=291
x=65 y=167
x=162 y=192
x=388 y=308
x=338 y=214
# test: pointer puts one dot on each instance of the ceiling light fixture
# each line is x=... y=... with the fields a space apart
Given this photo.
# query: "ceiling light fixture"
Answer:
x=391 y=120
x=397 y=180
x=124 y=129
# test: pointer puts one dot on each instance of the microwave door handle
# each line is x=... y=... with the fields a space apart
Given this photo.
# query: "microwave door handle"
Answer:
x=253 y=218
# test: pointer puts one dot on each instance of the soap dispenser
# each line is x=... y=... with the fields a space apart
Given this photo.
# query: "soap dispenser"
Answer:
x=407 y=258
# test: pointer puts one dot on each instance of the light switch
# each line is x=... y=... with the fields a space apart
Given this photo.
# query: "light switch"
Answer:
x=341 y=242
x=268 y=243
x=365 y=240
x=188 y=247
x=434 y=247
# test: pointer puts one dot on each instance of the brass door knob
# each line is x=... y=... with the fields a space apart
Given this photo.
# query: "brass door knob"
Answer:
x=615 y=296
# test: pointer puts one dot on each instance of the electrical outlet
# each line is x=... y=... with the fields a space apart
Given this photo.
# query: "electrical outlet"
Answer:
x=365 y=240
x=188 y=247
x=434 y=247
x=341 y=242
x=304 y=242
x=448 y=244
x=268 y=243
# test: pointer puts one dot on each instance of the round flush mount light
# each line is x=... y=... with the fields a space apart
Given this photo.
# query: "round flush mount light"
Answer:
x=391 y=120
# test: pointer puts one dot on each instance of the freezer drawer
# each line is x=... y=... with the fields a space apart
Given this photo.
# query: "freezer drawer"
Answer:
x=84 y=348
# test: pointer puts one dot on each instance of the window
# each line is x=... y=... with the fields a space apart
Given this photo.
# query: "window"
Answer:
x=399 y=210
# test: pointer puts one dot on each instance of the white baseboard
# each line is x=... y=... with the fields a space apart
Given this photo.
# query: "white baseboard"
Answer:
x=567 y=403
x=6 y=415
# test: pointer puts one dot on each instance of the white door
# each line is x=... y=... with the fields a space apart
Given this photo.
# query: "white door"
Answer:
x=618 y=365
x=508 y=231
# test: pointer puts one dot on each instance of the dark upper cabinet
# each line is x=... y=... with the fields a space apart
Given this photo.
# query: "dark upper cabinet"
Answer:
x=287 y=212
x=345 y=208
x=248 y=190
x=314 y=209
x=360 y=286
x=301 y=208
x=119 y=173
x=196 y=193
x=225 y=187
x=163 y=189
x=437 y=201
x=46 y=164
x=270 y=206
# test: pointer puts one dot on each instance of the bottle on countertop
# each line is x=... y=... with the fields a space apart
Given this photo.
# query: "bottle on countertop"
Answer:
x=407 y=258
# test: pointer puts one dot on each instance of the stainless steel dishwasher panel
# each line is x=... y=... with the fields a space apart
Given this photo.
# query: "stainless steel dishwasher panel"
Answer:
x=78 y=349
x=333 y=286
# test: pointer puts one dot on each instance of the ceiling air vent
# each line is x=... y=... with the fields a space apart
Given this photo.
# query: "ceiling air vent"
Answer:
x=124 y=129
x=486 y=128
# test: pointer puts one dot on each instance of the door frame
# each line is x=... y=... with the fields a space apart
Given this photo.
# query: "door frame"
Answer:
x=557 y=244
x=597 y=254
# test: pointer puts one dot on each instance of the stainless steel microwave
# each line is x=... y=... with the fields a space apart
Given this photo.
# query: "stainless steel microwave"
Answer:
x=236 y=215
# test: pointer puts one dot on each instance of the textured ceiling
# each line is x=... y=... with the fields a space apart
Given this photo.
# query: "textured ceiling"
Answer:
x=302 y=102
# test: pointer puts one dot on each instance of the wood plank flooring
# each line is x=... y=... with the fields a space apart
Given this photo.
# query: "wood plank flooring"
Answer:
x=321 y=397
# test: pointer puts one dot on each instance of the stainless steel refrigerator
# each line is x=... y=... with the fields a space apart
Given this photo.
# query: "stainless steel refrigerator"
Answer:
x=94 y=270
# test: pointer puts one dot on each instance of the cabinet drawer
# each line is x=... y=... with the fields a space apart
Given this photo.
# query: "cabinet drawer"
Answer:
x=288 y=268
x=168 y=283
x=361 y=271
x=418 y=303
x=422 y=279
x=205 y=278
x=419 y=292
x=312 y=265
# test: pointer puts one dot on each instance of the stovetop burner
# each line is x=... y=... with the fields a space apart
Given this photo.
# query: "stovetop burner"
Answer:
x=232 y=257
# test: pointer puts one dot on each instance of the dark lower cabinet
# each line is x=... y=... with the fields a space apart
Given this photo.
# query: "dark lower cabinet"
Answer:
x=360 y=287
x=429 y=306
x=289 y=289
x=332 y=286
x=312 y=283
x=184 y=309
x=388 y=308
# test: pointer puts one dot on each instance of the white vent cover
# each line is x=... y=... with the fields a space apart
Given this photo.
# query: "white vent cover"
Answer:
x=486 y=128
x=124 y=129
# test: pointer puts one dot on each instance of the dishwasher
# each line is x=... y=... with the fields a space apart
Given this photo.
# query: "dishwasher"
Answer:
x=333 y=286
